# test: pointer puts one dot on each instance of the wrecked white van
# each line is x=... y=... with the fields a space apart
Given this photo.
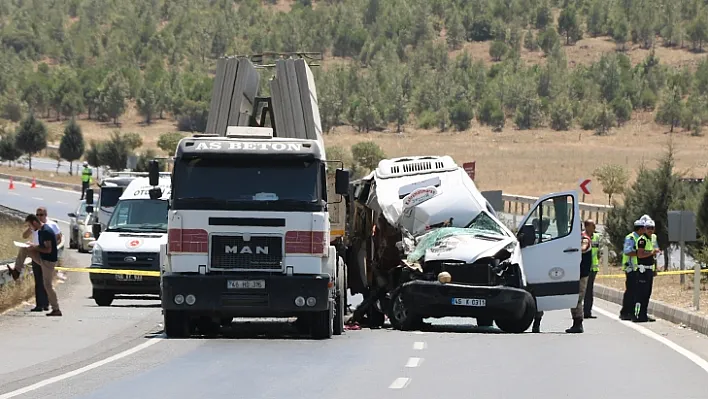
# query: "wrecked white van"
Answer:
x=424 y=242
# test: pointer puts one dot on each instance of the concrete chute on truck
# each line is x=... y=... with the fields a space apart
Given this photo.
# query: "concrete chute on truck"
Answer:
x=249 y=230
x=424 y=242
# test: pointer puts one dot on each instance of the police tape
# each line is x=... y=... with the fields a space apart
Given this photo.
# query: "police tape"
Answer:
x=669 y=273
x=148 y=273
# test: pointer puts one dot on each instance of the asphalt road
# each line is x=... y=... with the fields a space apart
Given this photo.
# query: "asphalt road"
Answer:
x=50 y=165
x=120 y=352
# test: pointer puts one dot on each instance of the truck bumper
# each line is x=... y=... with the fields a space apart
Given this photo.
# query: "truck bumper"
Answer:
x=277 y=299
x=435 y=299
x=146 y=285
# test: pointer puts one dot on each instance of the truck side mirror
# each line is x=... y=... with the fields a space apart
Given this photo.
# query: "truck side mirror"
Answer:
x=89 y=196
x=154 y=172
x=341 y=181
x=96 y=230
x=89 y=208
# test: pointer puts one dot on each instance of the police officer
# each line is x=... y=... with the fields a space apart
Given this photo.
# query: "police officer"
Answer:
x=629 y=260
x=589 y=295
x=86 y=174
x=646 y=269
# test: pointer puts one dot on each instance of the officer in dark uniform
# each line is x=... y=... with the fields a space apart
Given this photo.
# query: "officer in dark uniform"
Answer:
x=644 y=272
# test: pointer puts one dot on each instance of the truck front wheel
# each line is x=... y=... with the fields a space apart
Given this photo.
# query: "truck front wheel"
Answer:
x=400 y=316
x=517 y=326
x=176 y=324
x=322 y=324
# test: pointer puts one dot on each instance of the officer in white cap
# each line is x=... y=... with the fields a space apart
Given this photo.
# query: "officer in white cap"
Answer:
x=629 y=262
x=646 y=268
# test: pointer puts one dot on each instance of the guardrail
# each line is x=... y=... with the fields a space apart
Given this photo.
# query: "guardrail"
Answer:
x=5 y=276
x=519 y=205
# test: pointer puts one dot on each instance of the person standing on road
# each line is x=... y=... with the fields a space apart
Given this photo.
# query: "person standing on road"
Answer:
x=645 y=269
x=48 y=257
x=585 y=266
x=589 y=291
x=86 y=175
x=629 y=261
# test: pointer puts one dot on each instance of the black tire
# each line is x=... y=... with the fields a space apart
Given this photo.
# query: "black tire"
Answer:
x=485 y=322
x=517 y=326
x=399 y=315
x=72 y=243
x=322 y=324
x=176 y=324
x=340 y=302
x=225 y=321
x=103 y=298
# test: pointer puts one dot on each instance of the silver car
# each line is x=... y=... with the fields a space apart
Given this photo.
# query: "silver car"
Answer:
x=80 y=229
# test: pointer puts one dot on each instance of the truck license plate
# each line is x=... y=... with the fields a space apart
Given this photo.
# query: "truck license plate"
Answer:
x=469 y=302
x=128 y=277
x=245 y=284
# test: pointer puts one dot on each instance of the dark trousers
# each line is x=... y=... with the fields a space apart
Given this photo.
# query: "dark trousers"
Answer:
x=589 y=295
x=644 y=285
x=84 y=186
x=629 y=294
x=40 y=294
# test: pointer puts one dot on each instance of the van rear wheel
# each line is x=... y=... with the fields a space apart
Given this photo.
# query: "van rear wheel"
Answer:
x=103 y=297
x=176 y=324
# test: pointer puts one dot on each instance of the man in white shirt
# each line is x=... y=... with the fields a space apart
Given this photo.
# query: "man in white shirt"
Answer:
x=40 y=294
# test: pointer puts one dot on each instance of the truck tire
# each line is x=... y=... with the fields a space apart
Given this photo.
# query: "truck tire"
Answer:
x=103 y=297
x=176 y=324
x=399 y=315
x=340 y=301
x=517 y=326
x=322 y=324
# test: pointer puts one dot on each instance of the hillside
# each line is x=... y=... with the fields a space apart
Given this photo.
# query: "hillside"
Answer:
x=538 y=94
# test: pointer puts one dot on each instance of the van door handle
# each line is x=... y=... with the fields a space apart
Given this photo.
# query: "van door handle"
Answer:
x=571 y=250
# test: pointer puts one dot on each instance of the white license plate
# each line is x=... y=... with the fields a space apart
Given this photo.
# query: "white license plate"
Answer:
x=128 y=277
x=469 y=302
x=245 y=284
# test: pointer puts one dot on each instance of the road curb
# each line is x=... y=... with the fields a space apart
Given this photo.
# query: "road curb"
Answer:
x=47 y=183
x=659 y=309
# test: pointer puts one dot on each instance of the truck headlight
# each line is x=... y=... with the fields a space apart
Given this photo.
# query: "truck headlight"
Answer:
x=97 y=255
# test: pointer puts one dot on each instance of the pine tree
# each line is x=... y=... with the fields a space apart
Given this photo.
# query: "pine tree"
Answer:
x=31 y=137
x=72 y=144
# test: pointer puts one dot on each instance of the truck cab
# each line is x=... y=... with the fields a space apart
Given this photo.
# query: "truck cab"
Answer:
x=131 y=241
x=249 y=233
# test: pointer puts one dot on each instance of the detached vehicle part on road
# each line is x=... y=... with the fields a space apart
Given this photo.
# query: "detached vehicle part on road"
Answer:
x=424 y=242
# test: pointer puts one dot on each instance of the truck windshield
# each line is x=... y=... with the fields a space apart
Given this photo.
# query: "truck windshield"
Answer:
x=246 y=183
x=139 y=215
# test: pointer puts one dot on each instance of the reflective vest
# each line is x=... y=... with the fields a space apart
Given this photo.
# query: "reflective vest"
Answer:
x=595 y=250
x=649 y=246
x=86 y=175
x=628 y=261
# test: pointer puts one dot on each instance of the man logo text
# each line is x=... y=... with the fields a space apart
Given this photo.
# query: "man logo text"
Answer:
x=245 y=250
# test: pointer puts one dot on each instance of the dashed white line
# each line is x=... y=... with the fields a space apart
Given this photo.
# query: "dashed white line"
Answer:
x=11 y=193
x=61 y=202
x=38 y=199
x=418 y=345
x=414 y=362
x=398 y=383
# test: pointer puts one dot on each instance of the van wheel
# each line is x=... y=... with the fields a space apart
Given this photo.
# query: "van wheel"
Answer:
x=322 y=324
x=517 y=326
x=103 y=298
x=400 y=316
x=176 y=324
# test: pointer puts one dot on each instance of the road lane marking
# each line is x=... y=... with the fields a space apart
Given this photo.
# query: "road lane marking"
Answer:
x=398 y=383
x=13 y=193
x=413 y=362
x=38 y=199
x=150 y=342
x=61 y=202
x=697 y=360
x=418 y=345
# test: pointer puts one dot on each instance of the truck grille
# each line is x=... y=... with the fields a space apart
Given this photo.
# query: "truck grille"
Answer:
x=259 y=253
x=473 y=274
x=132 y=260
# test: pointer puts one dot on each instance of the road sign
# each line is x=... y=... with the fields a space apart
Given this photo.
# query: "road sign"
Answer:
x=469 y=167
x=682 y=226
x=584 y=186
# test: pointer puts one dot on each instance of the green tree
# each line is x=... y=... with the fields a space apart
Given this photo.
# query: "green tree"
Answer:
x=530 y=42
x=497 y=50
x=31 y=137
x=367 y=154
x=148 y=104
x=604 y=121
x=613 y=178
x=168 y=141
x=8 y=148
x=622 y=108
x=543 y=15
x=455 y=35
x=569 y=25
x=561 y=113
x=596 y=19
x=670 y=110
x=72 y=144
